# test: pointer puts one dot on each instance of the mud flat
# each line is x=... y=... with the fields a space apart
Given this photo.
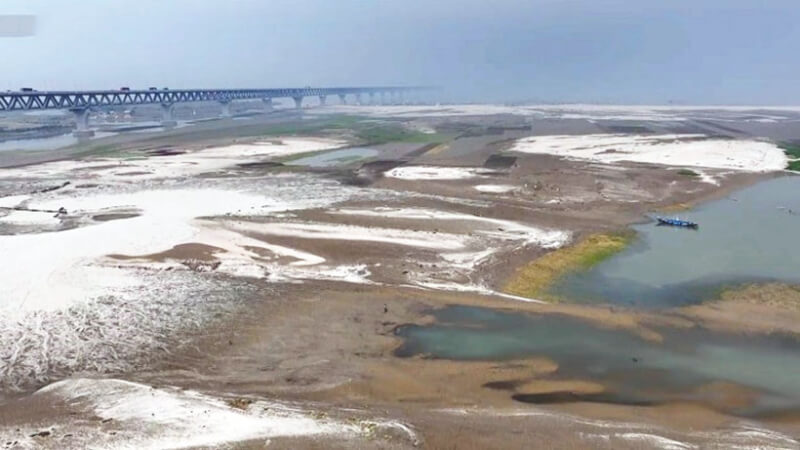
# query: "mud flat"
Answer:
x=202 y=291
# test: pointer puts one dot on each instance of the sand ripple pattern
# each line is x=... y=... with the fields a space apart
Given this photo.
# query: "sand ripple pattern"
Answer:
x=114 y=334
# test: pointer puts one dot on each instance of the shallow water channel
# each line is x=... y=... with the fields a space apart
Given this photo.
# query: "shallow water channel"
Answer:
x=334 y=158
x=749 y=236
x=46 y=143
x=633 y=370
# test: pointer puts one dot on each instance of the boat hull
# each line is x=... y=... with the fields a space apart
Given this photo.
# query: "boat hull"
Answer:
x=676 y=223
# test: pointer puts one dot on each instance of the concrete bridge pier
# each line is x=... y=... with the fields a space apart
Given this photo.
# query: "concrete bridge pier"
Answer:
x=267 y=104
x=298 y=102
x=226 y=108
x=167 y=118
x=343 y=99
x=323 y=99
x=81 y=123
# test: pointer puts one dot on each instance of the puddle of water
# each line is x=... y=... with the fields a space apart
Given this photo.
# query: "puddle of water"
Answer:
x=65 y=140
x=633 y=370
x=49 y=143
x=750 y=236
x=335 y=158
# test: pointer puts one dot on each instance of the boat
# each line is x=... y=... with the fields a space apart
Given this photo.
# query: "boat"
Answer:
x=675 y=222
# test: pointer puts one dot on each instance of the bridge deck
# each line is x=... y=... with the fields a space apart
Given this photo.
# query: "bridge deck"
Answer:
x=36 y=100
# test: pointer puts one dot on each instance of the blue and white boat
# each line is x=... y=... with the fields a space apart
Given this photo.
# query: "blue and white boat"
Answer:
x=676 y=222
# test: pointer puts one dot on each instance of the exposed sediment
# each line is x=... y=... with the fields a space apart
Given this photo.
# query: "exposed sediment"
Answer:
x=272 y=294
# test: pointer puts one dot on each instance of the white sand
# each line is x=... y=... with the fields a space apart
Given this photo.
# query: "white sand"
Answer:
x=66 y=306
x=495 y=188
x=739 y=435
x=116 y=414
x=11 y=201
x=355 y=273
x=591 y=112
x=469 y=287
x=169 y=418
x=435 y=173
x=706 y=177
x=407 y=238
x=113 y=169
x=655 y=441
x=673 y=150
x=534 y=111
x=277 y=148
x=510 y=230
x=30 y=218
x=53 y=270
x=486 y=237
x=462 y=253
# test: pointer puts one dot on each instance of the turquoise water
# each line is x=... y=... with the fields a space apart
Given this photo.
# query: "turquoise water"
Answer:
x=335 y=158
x=750 y=236
x=635 y=371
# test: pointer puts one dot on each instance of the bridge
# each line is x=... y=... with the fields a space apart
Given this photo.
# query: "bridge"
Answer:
x=81 y=102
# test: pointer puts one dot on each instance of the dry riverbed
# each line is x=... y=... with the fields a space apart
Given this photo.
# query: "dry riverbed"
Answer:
x=213 y=295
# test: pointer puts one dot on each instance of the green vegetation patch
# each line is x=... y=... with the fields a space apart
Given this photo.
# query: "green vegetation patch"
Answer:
x=791 y=150
x=337 y=122
x=366 y=130
x=535 y=278
x=374 y=134
x=793 y=153
x=688 y=173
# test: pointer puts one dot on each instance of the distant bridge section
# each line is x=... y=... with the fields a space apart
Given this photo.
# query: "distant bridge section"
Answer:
x=80 y=102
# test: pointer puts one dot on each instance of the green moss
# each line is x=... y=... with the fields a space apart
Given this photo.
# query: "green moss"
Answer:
x=793 y=153
x=534 y=279
x=688 y=173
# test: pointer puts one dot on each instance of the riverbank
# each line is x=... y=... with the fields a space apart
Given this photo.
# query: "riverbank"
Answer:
x=534 y=279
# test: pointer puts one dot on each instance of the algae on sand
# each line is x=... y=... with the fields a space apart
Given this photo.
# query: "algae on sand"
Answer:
x=688 y=173
x=533 y=279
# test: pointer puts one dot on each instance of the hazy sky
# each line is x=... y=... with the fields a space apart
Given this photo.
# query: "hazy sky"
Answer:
x=617 y=51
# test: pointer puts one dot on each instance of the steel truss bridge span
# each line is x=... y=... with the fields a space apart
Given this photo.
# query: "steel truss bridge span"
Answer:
x=81 y=102
x=36 y=100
